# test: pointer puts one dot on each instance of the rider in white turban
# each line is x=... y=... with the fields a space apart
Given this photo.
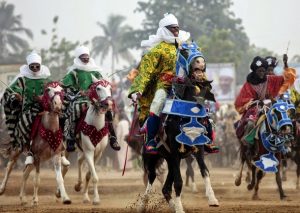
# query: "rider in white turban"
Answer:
x=163 y=34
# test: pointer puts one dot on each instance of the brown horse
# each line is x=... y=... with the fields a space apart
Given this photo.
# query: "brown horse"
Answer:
x=46 y=144
x=273 y=130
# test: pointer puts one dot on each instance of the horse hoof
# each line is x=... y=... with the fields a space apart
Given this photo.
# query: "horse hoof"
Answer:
x=35 y=203
x=96 y=203
x=255 y=197
x=283 y=197
x=250 y=187
x=23 y=203
x=2 y=190
x=57 y=194
x=86 y=201
x=77 y=187
x=237 y=182
x=67 y=201
x=213 y=203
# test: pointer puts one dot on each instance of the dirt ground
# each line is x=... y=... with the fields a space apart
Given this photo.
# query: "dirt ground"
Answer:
x=120 y=194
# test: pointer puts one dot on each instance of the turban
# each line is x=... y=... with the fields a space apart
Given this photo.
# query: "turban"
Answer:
x=257 y=63
x=33 y=57
x=169 y=19
x=272 y=61
x=81 y=50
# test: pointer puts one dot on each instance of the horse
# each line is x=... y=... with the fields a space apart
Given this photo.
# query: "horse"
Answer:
x=46 y=143
x=177 y=128
x=272 y=134
x=93 y=131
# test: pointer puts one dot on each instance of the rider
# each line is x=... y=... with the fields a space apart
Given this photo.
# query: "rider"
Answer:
x=21 y=103
x=156 y=70
x=258 y=87
x=76 y=82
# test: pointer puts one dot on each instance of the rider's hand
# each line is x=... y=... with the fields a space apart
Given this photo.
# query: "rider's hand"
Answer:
x=18 y=97
x=135 y=96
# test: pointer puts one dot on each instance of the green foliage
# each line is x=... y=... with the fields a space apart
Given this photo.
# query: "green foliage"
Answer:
x=11 y=44
x=116 y=40
x=58 y=56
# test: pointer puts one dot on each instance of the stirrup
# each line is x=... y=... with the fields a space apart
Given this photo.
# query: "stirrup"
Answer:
x=64 y=161
x=150 y=147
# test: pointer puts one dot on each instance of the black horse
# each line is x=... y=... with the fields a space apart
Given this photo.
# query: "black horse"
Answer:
x=176 y=126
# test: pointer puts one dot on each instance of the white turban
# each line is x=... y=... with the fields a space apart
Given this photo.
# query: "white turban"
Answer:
x=226 y=72
x=163 y=34
x=33 y=57
x=169 y=19
x=81 y=50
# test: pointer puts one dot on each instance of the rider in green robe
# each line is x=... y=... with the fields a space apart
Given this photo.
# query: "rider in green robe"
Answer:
x=21 y=103
x=76 y=83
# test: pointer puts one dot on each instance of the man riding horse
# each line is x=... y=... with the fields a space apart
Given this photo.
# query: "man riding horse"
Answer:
x=157 y=70
x=259 y=87
x=21 y=102
x=76 y=83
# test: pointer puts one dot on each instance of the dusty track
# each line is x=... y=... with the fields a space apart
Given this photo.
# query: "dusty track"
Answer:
x=119 y=194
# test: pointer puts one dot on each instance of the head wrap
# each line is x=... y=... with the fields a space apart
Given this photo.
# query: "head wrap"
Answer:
x=258 y=62
x=81 y=50
x=272 y=61
x=163 y=34
x=33 y=57
x=169 y=19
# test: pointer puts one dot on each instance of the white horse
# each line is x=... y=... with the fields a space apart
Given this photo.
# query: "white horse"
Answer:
x=93 y=136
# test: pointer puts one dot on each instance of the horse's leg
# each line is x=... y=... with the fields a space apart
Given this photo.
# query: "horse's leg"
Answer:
x=279 y=184
x=26 y=173
x=12 y=161
x=36 y=183
x=80 y=159
x=298 y=174
x=89 y=156
x=167 y=188
x=238 y=179
x=259 y=176
x=177 y=184
x=60 y=180
x=209 y=192
x=190 y=173
x=251 y=185
x=150 y=162
x=284 y=168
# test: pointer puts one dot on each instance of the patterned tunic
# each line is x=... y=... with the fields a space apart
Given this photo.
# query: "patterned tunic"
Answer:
x=156 y=71
x=74 y=82
x=20 y=116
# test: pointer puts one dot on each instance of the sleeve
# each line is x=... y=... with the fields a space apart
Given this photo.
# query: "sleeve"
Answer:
x=69 y=82
x=147 y=70
x=289 y=76
x=246 y=95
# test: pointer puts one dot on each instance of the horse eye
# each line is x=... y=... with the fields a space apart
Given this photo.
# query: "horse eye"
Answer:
x=48 y=90
x=98 y=89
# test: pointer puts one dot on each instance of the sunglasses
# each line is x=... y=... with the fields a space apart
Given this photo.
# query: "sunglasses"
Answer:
x=34 y=66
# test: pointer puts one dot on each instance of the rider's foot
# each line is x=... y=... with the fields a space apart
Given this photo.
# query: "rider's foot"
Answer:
x=114 y=143
x=150 y=147
x=64 y=161
x=211 y=148
x=71 y=144
x=29 y=159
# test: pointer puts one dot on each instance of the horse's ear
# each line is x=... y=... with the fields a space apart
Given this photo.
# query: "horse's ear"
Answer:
x=176 y=44
x=94 y=79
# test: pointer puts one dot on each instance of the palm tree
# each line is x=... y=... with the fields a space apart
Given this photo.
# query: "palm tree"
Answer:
x=10 y=26
x=115 y=41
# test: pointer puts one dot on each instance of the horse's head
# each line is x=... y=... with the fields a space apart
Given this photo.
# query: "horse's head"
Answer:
x=189 y=59
x=52 y=99
x=100 y=94
x=278 y=117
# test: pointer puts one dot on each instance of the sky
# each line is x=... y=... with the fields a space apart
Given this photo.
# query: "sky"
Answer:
x=270 y=24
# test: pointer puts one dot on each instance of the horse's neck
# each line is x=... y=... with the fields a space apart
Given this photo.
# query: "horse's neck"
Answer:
x=50 y=120
x=97 y=119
